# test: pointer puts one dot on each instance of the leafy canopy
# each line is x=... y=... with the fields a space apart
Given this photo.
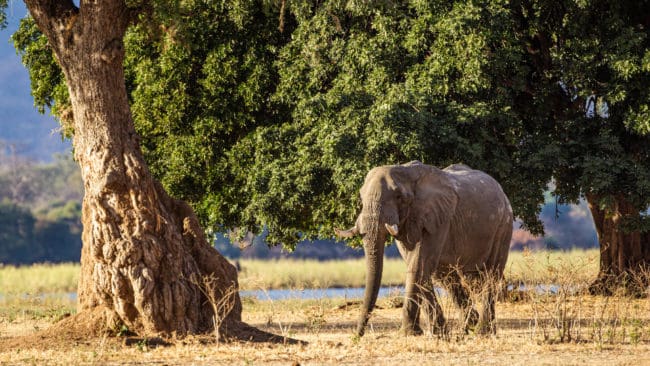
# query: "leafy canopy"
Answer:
x=262 y=127
x=597 y=48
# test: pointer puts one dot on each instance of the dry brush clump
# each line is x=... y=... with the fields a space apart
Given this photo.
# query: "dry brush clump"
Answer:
x=563 y=311
x=221 y=305
x=554 y=306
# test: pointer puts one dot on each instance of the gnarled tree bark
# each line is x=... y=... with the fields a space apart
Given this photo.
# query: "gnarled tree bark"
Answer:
x=144 y=256
x=624 y=255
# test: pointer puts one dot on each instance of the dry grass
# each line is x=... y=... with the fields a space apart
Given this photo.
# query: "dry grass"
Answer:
x=288 y=273
x=327 y=327
x=27 y=308
x=39 y=278
x=547 y=266
x=534 y=327
x=308 y=273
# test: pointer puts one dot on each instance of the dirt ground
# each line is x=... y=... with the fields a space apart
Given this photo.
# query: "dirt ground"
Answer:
x=571 y=331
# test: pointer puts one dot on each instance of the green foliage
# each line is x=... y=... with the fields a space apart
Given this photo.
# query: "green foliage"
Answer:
x=61 y=211
x=268 y=114
x=26 y=239
x=3 y=16
x=47 y=81
x=379 y=85
x=200 y=83
x=598 y=48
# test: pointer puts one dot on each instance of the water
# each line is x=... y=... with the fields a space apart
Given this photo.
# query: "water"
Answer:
x=318 y=293
x=539 y=289
x=357 y=293
x=330 y=293
x=276 y=294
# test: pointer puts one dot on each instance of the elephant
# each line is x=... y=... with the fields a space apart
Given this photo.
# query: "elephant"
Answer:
x=449 y=225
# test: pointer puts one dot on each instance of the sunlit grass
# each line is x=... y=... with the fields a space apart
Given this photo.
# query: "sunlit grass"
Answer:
x=39 y=279
x=286 y=273
x=548 y=266
x=256 y=274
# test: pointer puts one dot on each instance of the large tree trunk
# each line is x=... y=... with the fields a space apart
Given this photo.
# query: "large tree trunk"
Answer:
x=145 y=260
x=624 y=255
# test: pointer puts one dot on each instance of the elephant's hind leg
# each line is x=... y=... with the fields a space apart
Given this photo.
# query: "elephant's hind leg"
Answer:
x=491 y=285
x=462 y=299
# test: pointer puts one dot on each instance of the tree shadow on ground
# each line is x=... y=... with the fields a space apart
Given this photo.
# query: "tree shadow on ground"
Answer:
x=240 y=331
x=85 y=329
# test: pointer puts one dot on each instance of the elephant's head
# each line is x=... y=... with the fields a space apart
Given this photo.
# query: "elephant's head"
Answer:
x=403 y=201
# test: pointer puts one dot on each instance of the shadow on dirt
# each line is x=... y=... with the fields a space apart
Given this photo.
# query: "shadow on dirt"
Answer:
x=240 y=331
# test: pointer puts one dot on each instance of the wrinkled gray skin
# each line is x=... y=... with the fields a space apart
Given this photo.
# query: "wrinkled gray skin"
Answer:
x=447 y=223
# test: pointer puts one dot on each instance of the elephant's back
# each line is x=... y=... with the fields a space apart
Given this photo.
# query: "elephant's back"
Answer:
x=475 y=187
x=481 y=226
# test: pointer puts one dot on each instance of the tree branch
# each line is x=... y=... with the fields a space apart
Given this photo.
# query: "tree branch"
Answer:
x=51 y=10
x=55 y=18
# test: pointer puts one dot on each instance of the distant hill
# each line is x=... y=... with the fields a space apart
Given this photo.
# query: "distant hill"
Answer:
x=31 y=134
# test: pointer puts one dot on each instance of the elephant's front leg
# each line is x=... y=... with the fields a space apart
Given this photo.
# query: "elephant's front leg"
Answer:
x=419 y=295
x=411 y=309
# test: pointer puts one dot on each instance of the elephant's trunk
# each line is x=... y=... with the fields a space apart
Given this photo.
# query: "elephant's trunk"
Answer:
x=374 y=250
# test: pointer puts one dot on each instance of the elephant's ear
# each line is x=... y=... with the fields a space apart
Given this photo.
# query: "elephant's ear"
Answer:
x=405 y=195
x=434 y=203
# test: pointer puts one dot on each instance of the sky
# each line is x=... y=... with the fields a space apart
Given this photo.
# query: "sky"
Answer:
x=30 y=133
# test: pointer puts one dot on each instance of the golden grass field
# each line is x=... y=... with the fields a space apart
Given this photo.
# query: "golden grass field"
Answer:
x=534 y=328
x=258 y=274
